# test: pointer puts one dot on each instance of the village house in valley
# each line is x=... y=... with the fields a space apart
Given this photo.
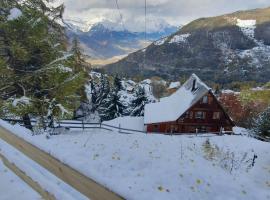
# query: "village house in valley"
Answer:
x=192 y=108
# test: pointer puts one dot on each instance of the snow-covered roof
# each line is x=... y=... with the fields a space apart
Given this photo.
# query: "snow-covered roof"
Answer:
x=172 y=107
x=174 y=85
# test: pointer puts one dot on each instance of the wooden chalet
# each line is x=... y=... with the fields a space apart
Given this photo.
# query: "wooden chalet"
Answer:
x=193 y=108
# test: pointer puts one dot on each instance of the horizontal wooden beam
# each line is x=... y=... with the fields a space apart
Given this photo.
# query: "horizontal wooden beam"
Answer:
x=28 y=180
x=77 y=180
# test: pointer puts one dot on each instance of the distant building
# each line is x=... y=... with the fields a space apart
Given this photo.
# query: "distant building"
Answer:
x=192 y=108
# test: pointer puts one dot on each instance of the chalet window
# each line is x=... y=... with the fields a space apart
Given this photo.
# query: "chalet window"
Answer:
x=156 y=128
x=205 y=100
x=186 y=115
x=200 y=115
x=202 y=129
x=181 y=119
x=216 y=115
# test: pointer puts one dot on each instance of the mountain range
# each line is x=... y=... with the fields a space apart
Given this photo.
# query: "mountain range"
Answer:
x=227 y=48
x=100 y=41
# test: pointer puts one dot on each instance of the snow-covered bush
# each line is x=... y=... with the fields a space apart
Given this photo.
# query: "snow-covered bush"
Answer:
x=227 y=159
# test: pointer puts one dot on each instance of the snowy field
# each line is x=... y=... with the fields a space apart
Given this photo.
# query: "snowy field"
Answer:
x=12 y=187
x=140 y=166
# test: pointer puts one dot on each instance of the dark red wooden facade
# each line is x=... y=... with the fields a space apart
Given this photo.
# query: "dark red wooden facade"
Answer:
x=207 y=115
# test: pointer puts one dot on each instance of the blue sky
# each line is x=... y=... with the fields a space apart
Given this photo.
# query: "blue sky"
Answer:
x=175 y=12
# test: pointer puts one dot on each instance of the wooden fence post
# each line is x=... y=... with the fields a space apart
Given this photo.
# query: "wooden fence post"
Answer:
x=82 y=125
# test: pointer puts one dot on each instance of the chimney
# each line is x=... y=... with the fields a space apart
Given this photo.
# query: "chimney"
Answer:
x=193 y=86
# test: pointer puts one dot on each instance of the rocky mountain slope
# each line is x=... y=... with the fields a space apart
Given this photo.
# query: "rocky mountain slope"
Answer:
x=232 y=47
x=102 y=42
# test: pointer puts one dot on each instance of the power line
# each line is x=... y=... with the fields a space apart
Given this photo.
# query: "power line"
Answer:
x=145 y=14
x=120 y=14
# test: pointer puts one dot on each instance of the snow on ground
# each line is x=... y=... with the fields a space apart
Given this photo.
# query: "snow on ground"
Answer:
x=14 y=13
x=258 y=54
x=135 y=123
x=240 y=131
x=179 y=38
x=247 y=27
x=160 y=42
x=12 y=187
x=229 y=92
x=140 y=166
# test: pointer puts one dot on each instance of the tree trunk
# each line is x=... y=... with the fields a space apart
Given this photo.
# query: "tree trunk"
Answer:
x=27 y=122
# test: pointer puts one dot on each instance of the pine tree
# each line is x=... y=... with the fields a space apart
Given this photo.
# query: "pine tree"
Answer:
x=139 y=102
x=261 y=124
x=111 y=107
x=117 y=83
x=100 y=89
x=97 y=89
x=42 y=70
x=79 y=62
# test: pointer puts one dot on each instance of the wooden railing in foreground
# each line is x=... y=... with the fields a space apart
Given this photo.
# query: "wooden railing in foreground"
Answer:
x=77 y=180
x=28 y=180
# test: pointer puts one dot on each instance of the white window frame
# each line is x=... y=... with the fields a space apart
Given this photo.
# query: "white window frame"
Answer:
x=202 y=116
x=215 y=114
x=205 y=99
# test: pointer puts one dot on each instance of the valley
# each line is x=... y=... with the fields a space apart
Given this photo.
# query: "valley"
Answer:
x=227 y=48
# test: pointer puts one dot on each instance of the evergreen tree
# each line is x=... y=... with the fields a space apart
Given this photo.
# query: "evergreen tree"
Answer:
x=117 y=83
x=261 y=124
x=41 y=70
x=79 y=62
x=99 y=90
x=139 y=102
x=111 y=107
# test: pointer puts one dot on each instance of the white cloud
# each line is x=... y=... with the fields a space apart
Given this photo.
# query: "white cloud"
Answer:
x=175 y=12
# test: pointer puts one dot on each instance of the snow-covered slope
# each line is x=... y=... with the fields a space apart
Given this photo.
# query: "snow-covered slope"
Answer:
x=179 y=38
x=261 y=52
x=140 y=166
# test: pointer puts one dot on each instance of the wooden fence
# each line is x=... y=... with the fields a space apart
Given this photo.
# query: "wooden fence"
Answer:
x=80 y=125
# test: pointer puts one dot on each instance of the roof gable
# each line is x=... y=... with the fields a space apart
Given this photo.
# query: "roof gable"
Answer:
x=172 y=107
